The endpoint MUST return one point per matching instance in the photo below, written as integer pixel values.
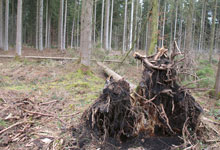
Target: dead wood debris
(158, 106)
(23, 117)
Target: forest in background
(116, 25)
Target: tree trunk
(134, 32)
(1, 23)
(49, 31)
(37, 25)
(6, 24)
(106, 28)
(94, 28)
(41, 25)
(154, 34)
(164, 20)
(102, 22)
(19, 28)
(188, 39)
(146, 42)
(110, 38)
(201, 34)
(60, 26)
(78, 26)
(217, 83)
(171, 34)
(72, 33)
(174, 36)
(131, 24)
(213, 31)
(86, 32)
(46, 30)
(125, 27)
(180, 27)
(64, 29)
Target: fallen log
(115, 76)
(54, 58)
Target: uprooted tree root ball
(158, 107)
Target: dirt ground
(41, 100)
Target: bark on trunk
(106, 28)
(217, 83)
(164, 20)
(72, 33)
(102, 22)
(202, 25)
(175, 26)
(19, 28)
(110, 37)
(37, 25)
(188, 39)
(1, 23)
(131, 24)
(86, 32)
(60, 26)
(49, 29)
(78, 27)
(46, 30)
(213, 31)
(154, 34)
(146, 42)
(125, 27)
(6, 24)
(94, 28)
(64, 29)
(41, 25)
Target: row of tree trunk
(4, 28)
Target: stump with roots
(157, 107)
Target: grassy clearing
(52, 80)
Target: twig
(49, 102)
(14, 125)
(39, 113)
(42, 114)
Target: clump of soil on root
(158, 111)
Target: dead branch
(14, 125)
(46, 103)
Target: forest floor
(40, 100)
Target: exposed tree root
(158, 106)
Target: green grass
(3, 123)
(206, 73)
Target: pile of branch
(157, 107)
